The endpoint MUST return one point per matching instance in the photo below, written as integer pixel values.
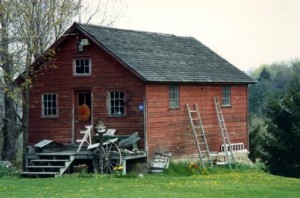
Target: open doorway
(83, 112)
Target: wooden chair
(87, 137)
(160, 162)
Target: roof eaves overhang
(202, 82)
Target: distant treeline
(272, 81)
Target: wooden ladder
(224, 133)
(199, 134)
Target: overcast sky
(247, 33)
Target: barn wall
(107, 75)
(170, 129)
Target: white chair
(87, 136)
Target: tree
(281, 142)
(264, 75)
(10, 130)
(257, 129)
(259, 92)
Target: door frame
(74, 108)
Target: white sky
(247, 33)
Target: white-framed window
(49, 105)
(116, 104)
(82, 67)
(226, 96)
(174, 97)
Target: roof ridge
(137, 31)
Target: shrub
(8, 171)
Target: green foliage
(272, 80)
(8, 171)
(282, 142)
(183, 169)
(257, 129)
(3, 171)
(179, 169)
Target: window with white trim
(49, 105)
(226, 96)
(174, 97)
(116, 104)
(82, 67)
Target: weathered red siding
(170, 129)
(107, 75)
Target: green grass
(215, 183)
(251, 184)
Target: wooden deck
(49, 163)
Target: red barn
(137, 81)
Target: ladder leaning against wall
(199, 134)
(229, 157)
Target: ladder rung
(193, 111)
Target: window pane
(116, 103)
(226, 96)
(87, 62)
(49, 108)
(78, 70)
(174, 96)
(82, 66)
(54, 104)
(86, 70)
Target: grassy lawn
(250, 183)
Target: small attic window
(82, 67)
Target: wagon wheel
(112, 157)
(108, 158)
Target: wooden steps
(47, 165)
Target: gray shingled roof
(165, 58)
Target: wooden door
(82, 111)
